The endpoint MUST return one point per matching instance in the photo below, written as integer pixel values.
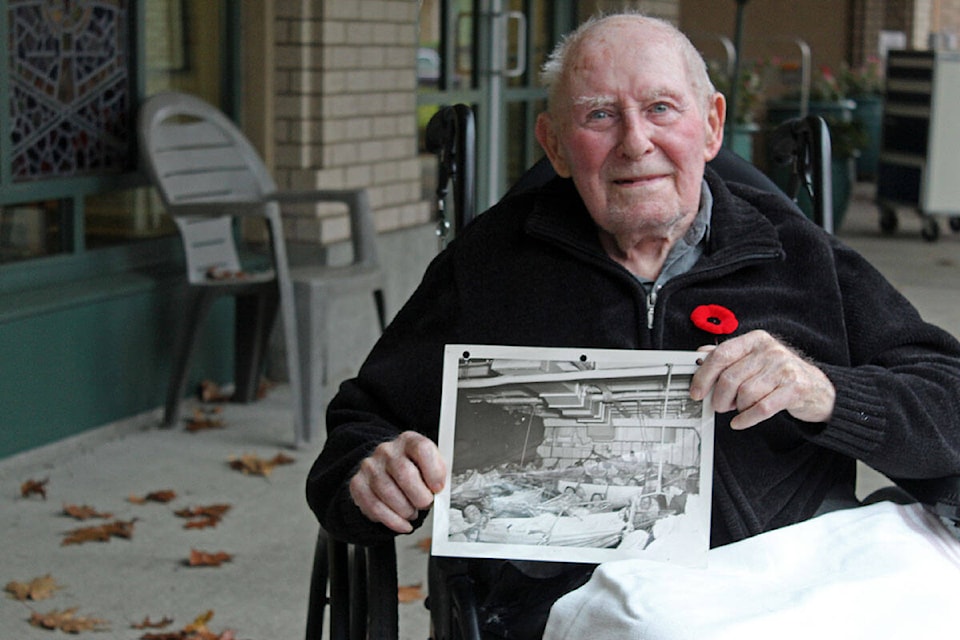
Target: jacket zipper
(697, 276)
(651, 307)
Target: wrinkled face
(628, 129)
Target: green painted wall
(84, 363)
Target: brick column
(346, 110)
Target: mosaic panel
(70, 87)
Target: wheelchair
(358, 584)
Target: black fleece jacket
(531, 271)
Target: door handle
(521, 50)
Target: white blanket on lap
(882, 571)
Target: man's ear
(547, 137)
(716, 117)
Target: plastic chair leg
(198, 305)
(255, 316)
(311, 308)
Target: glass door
(487, 53)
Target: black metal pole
(735, 80)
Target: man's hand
(399, 479)
(758, 376)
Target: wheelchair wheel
(931, 229)
(888, 220)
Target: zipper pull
(651, 305)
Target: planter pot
(843, 167)
(869, 113)
(741, 142)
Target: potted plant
(864, 85)
(748, 99)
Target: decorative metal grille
(70, 87)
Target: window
(72, 78)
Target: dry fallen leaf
(203, 516)
(67, 621)
(210, 391)
(205, 559)
(219, 273)
(204, 419)
(37, 589)
(162, 496)
(264, 388)
(196, 630)
(424, 544)
(31, 487)
(410, 593)
(84, 512)
(254, 465)
(101, 533)
(150, 624)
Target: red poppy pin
(715, 319)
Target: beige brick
(342, 9)
(290, 9)
(359, 176)
(334, 229)
(374, 57)
(322, 179)
(342, 154)
(342, 57)
(335, 32)
(387, 219)
(359, 33)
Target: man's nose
(635, 136)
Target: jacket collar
(738, 228)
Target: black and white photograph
(575, 455)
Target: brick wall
(345, 81)
(666, 9)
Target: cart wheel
(931, 230)
(955, 224)
(888, 220)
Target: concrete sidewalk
(262, 592)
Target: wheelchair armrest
(942, 495)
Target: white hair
(552, 71)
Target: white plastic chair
(208, 174)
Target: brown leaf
(101, 533)
(424, 544)
(205, 419)
(210, 391)
(150, 624)
(67, 621)
(200, 622)
(251, 464)
(410, 593)
(162, 496)
(219, 273)
(31, 487)
(84, 512)
(205, 559)
(37, 589)
(203, 516)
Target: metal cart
(919, 163)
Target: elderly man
(828, 363)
